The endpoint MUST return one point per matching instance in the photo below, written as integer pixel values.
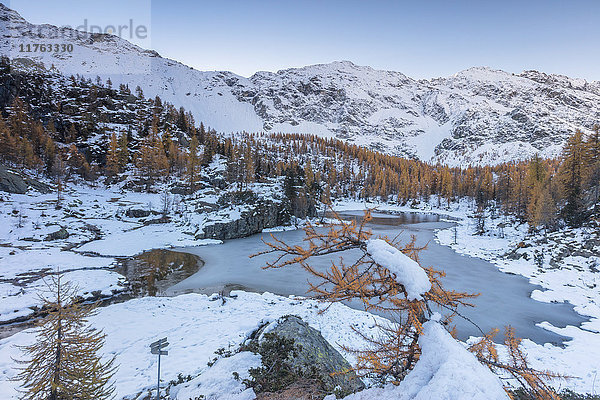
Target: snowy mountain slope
(475, 115)
(479, 115)
(205, 94)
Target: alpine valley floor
(99, 231)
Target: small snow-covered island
(325, 232)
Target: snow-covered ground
(196, 327)
(16, 301)
(99, 230)
(444, 371)
(26, 254)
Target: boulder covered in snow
(60, 234)
(263, 214)
(137, 213)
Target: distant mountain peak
(483, 73)
(7, 14)
(345, 64)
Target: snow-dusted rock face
(480, 115)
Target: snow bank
(197, 325)
(445, 371)
(573, 280)
(18, 301)
(218, 381)
(408, 272)
(135, 241)
(24, 261)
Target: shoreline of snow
(580, 356)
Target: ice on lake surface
(504, 298)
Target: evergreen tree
(592, 163)
(536, 174)
(161, 161)
(570, 179)
(123, 151)
(28, 157)
(152, 159)
(234, 166)
(446, 185)
(193, 163)
(182, 120)
(290, 191)
(112, 156)
(176, 163)
(71, 134)
(248, 167)
(517, 203)
(18, 120)
(64, 363)
(8, 142)
(545, 210)
(209, 151)
(49, 154)
(76, 163)
(139, 93)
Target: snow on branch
(407, 271)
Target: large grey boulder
(13, 182)
(265, 214)
(317, 353)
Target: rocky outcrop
(13, 182)
(137, 213)
(60, 234)
(316, 354)
(265, 214)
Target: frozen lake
(504, 298)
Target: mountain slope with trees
(79, 128)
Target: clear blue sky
(422, 39)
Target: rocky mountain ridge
(478, 116)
